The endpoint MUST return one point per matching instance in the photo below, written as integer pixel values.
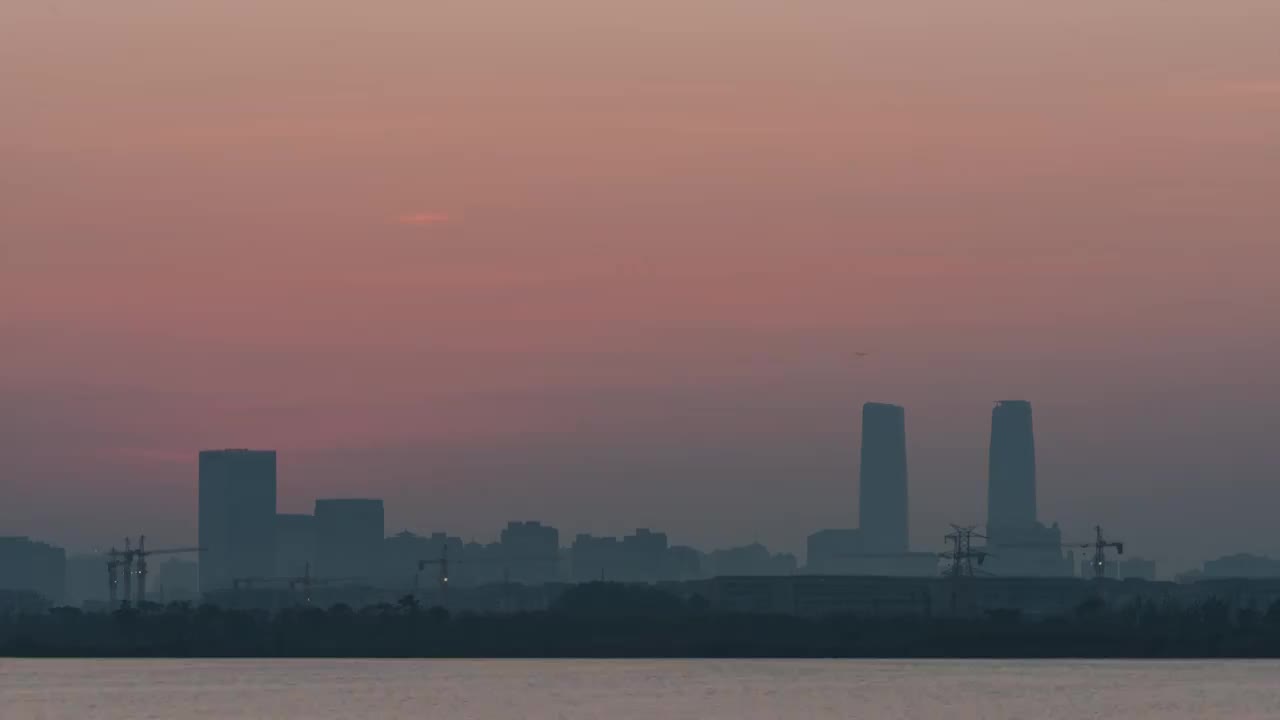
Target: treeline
(609, 620)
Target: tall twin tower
(1011, 479)
(882, 493)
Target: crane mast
(115, 560)
(128, 571)
(1100, 545)
(306, 580)
(442, 579)
(124, 560)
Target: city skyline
(616, 269)
(721, 359)
(344, 547)
(239, 515)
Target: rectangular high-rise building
(882, 492)
(237, 516)
(349, 538)
(1011, 479)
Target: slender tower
(1011, 479)
(882, 492)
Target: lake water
(634, 690)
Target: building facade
(882, 490)
(832, 551)
(1011, 478)
(237, 516)
(1020, 545)
(645, 556)
(749, 560)
(41, 568)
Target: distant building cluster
(644, 556)
(246, 545)
(345, 541)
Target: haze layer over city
(611, 269)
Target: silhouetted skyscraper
(882, 489)
(237, 516)
(1020, 545)
(1011, 481)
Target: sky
(614, 264)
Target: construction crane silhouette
(960, 556)
(442, 578)
(306, 580)
(1099, 544)
(133, 561)
(115, 561)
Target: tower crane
(142, 553)
(442, 578)
(134, 560)
(306, 580)
(249, 582)
(1099, 545)
(126, 562)
(115, 561)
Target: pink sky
(608, 264)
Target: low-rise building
(34, 566)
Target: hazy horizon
(612, 265)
